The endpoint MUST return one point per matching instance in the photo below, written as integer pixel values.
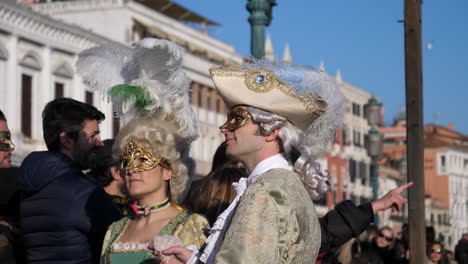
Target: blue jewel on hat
(260, 79)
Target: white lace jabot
(213, 242)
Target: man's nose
(99, 142)
(225, 130)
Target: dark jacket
(461, 251)
(63, 215)
(343, 223)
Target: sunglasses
(389, 239)
(438, 251)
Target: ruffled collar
(274, 162)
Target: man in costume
(64, 216)
(280, 121)
(6, 145)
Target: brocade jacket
(275, 222)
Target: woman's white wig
(304, 148)
(167, 139)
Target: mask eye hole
(123, 164)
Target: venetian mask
(5, 141)
(137, 158)
(236, 118)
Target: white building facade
(47, 53)
(37, 55)
(454, 163)
(357, 186)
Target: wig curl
(165, 138)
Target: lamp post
(261, 14)
(374, 146)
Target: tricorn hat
(293, 92)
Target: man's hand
(392, 199)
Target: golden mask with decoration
(5, 141)
(137, 158)
(237, 117)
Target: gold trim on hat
(264, 81)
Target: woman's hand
(181, 254)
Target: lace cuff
(195, 254)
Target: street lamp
(374, 144)
(261, 14)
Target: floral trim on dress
(121, 247)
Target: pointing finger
(404, 187)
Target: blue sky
(364, 40)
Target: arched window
(31, 66)
(62, 75)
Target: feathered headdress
(149, 91)
(144, 80)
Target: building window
(26, 103)
(208, 101)
(344, 134)
(439, 219)
(363, 172)
(356, 109)
(200, 96)
(59, 90)
(443, 163)
(89, 98)
(352, 170)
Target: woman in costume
(150, 90)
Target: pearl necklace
(148, 209)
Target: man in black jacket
(63, 215)
(461, 250)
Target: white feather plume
(152, 64)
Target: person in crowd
(436, 254)
(347, 221)
(280, 120)
(153, 146)
(450, 257)
(7, 255)
(267, 123)
(344, 222)
(106, 173)
(155, 168)
(213, 194)
(63, 215)
(221, 159)
(461, 250)
(379, 250)
(6, 145)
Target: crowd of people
(137, 203)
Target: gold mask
(5, 141)
(236, 118)
(135, 157)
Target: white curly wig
(166, 139)
(303, 148)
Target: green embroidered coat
(275, 222)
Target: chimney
(450, 125)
